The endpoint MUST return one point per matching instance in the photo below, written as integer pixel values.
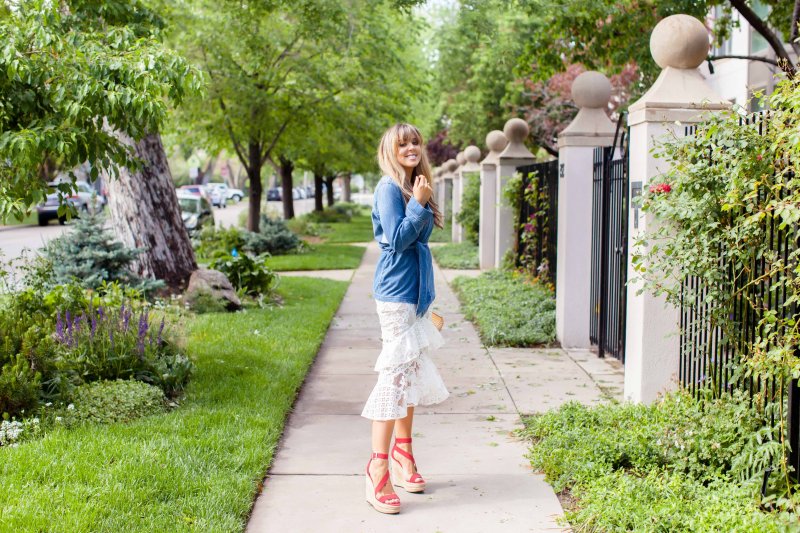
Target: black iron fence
(538, 219)
(709, 351)
(609, 272)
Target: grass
(30, 220)
(508, 309)
(321, 257)
(463, 255)
(359, 229)
(443, 234)
(197, 468)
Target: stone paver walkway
(478, 477)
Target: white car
(84, 198)
(227, 192)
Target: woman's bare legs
(402, 429)
(381, 438)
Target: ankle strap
(376, 455)
(402, 440)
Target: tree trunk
(329, 184)
(346, 187)
(145, 214)
(318, 191)
(208, 173)
(287, 167)
(254, 173)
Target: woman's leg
(381, 438)
(402, 430)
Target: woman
(403, 217)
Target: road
(14, 239)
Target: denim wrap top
(405, 268)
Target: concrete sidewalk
(478, 477)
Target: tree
(548, 107)
(605, 35)
(71, 74)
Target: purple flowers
(104, 332)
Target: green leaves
(67, 79)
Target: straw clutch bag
(437, 320)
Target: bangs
(407, 133)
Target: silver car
(83, 198)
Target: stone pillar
(468, 171)
(496, 143)
(458, 190)
(680, 96)
(446, 202)
(514, 155)
(576, 143)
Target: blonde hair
(390, 166)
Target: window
(718, 17)
(757, 42)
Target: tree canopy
(71, 73)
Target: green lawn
(359, 229)
(442, 235)
(197, 468)
(321, 257)
(463, 255)
(30, 220)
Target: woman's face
(408, 152)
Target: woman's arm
(401, 227)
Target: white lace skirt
(406, 375)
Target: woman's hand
(422, 190)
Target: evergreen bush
(90, 254)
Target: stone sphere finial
(496, 141)
(679, 41)
(460, 158)
(472, 154)
(591, 89)
(450, 165)
(516, 130)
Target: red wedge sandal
(412, 482)
(381, 503)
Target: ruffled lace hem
(409, 342)
(417, 382)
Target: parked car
(274, 195)
(216, 196)
(196, 211)
(84, 198)
(296, 193)
(228, 193)
(309, 191)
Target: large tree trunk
(329, 184)
(145, 214)
(318, 191)
(346, 187)
(287, 167)
(254, 173)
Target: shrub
(20, 386)
(247, 273)
(329, 214)
(212, 242)
(273, 237)
(509, 309)
(90, 254)
(114, 343)
(107, 402)
(680, 464)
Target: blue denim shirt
(405, 268)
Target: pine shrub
(90, 254)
